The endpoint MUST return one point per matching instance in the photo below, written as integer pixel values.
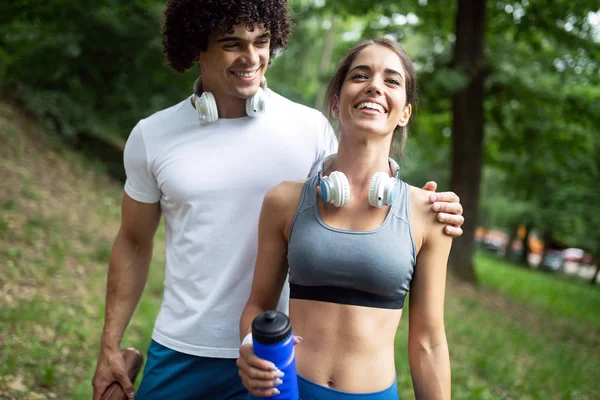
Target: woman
(353, 258)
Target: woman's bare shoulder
(422, 217)
(283, 193)
(424, 220)
(420, 204)
(283, 197)
(280, 203)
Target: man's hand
(449, 209)
(110, 368)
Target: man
(208, 178)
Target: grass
(58, 217)
(572, 297)
(520, 335)
(508, 344)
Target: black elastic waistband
(334, 294)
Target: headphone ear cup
(345, 192)
(325, 189)
(256, 104)
(206, 107)
(374, 189)
(390, 191)
(375, 195)
(338, 189)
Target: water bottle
(273, 340)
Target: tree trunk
(326, 55)
(550, 244)
(547, 238)
(525, 255)
(593, 280)
(513, 236)
(467, 129)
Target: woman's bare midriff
(347, 348)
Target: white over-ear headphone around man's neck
(206, 106)
(335, 188)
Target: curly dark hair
(188, 24)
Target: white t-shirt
(210, 179)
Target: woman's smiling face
(373, 96)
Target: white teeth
(372, 106)
(245, 74)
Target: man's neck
(230, 106)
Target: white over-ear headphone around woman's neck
(206, 106)
(335, 188)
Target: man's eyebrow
(369, 69)
(226, 39)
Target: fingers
(100, 385)
(297, 340)
(453, 231)
(248, 356)
(259, 377)
(259, 382)
(263, 392)
(98, 390)
(451, 219)
(102, 379)
(450, 209)
(431, 185)
(111, 368)
(260, 387)
(444, 197)
(126, 384)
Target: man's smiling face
(234, 63)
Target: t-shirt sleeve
(328, 144)
(140, 184)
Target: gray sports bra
(364, 268)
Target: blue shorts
(312, 391)
(170, 374)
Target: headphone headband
(327, 161)
(198, 85)
(206, 105)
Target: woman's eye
(262, 43)
(393, 82)
(359, 76)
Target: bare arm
(271, 266)
(128, 267)
(258, 376)
(127, 274)
(427, 346)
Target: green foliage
(92, 67)
(541, 103)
